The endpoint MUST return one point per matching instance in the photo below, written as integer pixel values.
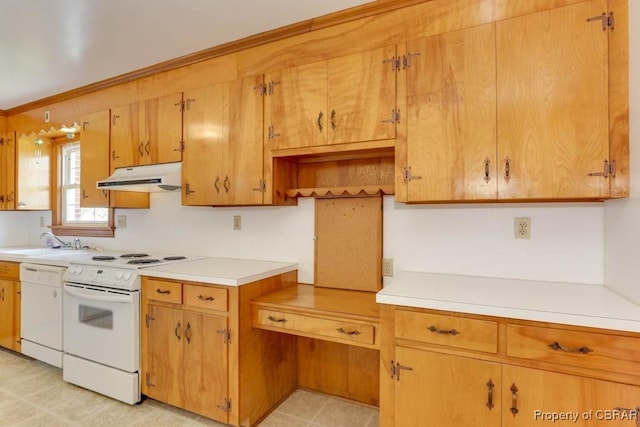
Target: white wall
(14, 228)
(622, 217)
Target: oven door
(102, 325)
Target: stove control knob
(119, 275)
(127, 275)
(76, 269)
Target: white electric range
(102, 321)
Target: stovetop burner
(143, 261)
(174, 258)
(134, 255)
(102, 258)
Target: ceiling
(51, 46)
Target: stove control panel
(111, 277)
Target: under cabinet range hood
(144, 178)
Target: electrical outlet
(237, 222)
(122, 221)
(387, 267)
(41, 221)
(522, 228)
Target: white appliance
(102, 323)
(41, 312)
(144, 178)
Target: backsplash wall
(566, 245)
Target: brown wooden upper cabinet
(513, 110)
(147, 132)
(223, 145)
(346, 99)
(94, 161)
(7, 170)
(33, 166)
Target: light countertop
(220, 271)
(567, 303)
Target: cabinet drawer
(10, 270)
(205, 297)
(163, 290)
(471, 334)
(585, 349)
(314, 326)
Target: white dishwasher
(41, 312)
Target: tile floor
(33, 394)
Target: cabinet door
(33, 178)
(553, 102)
(296, 107)
(7, 314)
(205, 365)
(243, 152)
(163, 128)
(451, 116)
(7, 170)
(94, 158)
(594, 402)
(16, 344)
(126, 144)
(362, 96)
(165, 352)
(205, 136)
(441, 390)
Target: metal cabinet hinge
(180, 105)
(1, 140)
(226, 406)
(187, 104)
(395, 117)
(608, 21)
(226, 333)
(396, 368)
(262, 186)
(147, 319)
(147, 380)
(608, 169)
(271, 133)
(408, 176)
(261, 88)
(406, 60)
(394, 61)
(272, 87)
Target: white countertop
(567, 303)
(219, 271)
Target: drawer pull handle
(273, 319)
(163, 291)
(442, 331)
(343, 331)
(203, 298)
(490, 386)
(556, 346)
(514, 399)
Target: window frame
(57, 227)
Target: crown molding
(336, 18)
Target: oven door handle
(99, 296)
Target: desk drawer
(314, 326)
(162, 290)
(460, 332)
(205, 297)
(584, 349)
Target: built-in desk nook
(336, 321)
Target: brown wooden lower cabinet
(200, 353)
(10, 305)
(538, 374)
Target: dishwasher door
(41, 312)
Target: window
(69, 218)
(72, 213)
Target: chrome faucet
(62, 242)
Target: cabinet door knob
(557, 346)
(514, 399)
(435, 330)
(177, 331)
